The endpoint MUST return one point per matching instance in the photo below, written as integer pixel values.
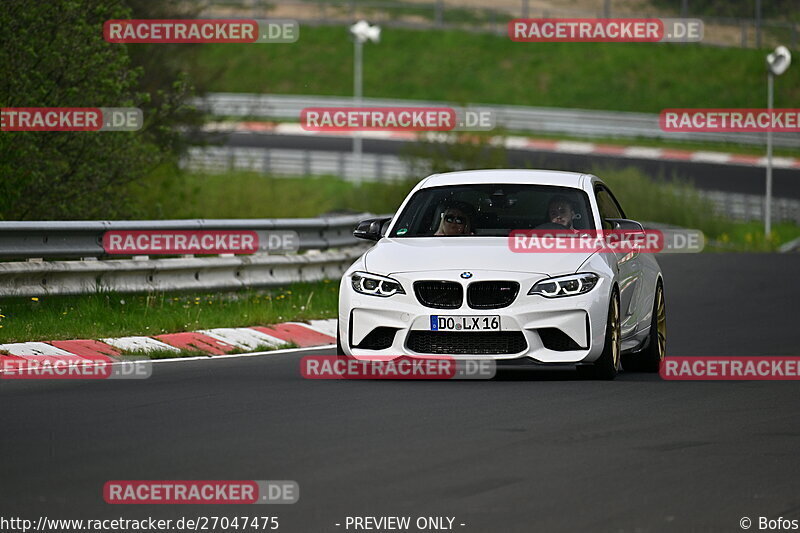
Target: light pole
(777, 63)
(361, 32)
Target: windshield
(492, 210)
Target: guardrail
(39, 278)
(69, 239)
(327, 245)
(288, 162)
(573, 122)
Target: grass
(678, 203)
(94, 316)
(749, 237)
(171, 194)
(175, 194)
(667, 202)
(164, 354)
(462, 67)
(253, 195)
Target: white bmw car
(442, 278)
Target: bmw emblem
(466, 275)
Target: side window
(608, 206)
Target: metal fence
(749, 207)
(573, 122)
(69, 239)
(753, 31)
(38, 278)
(297, 163)
(327, 244)
(383, 167)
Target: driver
(560, 211)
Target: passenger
(454, 220)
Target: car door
(628, 262)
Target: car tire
(649, 359)
(339, 349)
(608, 364)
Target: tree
(53, 55)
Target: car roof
(516, 176)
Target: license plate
(465, 323)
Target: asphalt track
(710, 176)
(529, 451)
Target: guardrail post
(525, 9)
(439, 13)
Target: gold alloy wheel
(661, 323)
(614, 325)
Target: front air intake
(463, 343)
(491, 294)
(439, 294)
(378, 339)
(558, 341)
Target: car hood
(418, 254)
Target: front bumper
(526, 325)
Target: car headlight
(571, 285)
(375, 285)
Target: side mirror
(625, 224)
(371, 229)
